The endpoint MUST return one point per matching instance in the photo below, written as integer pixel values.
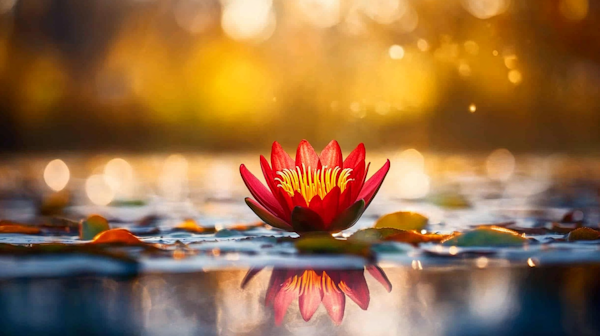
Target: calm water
(549, 287)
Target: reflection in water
(314, 286)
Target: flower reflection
(314, 286)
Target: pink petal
(299, 200)
(331, 156)
(310, 294)
(353, 284)
(280, 160)
(260, 192)
(306, 155)
(355, 156)
(277, 192)
(334, 299)
(316, 205)
(278, 277)
(345, 199)
(267, 216)
(348, 217)
(305, 220)
(284, 298)
(358, 174)
(330, 205)
(380, 276)
(372, 185)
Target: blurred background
(150, 75)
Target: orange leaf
(10, 227)
(116, 236)
(190, 225)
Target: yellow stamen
(311, 182)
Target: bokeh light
(396, 52)
(500, 164)
(249, 20)
(118, 173)
(574, 10)
(57, 175)
(98, 190)
(485, 9)
(173, 179)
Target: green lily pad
(92, 226)
(374, 235)
(451, 201)
(128, 203)
(402, 220)
(583, 233)
(326, 244)
(486, 237)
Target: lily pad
(117, 236)
(584, 233)
(92, 226)
(128, 203)
(402, 220)
(11, 227)
(326, 244)
(190, 225)
(486, 237)
(372, 236)
(451, 201)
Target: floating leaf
(226, 233)
(89, 228)
(246, 227)
(11, 227)
(325, 244)
(190, 225)
(451, 201)
(584, 233)
(128, 203)
(486, 237)
(374, 235)
(117, 236)
(402, 220)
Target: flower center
(310, 182)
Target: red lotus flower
(312, 286)
(314, 192)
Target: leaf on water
(92, 226)
(584, 233)
(486, 237)
(12, 227)
(128, 203)
(323, 243)
(190, 225)
(226, 233)
(402, 220)
(375, 235)
(451, 201)
(117, 236)
(248, 226)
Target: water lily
(313, 192)
(313, 287)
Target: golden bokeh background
(456, 75)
